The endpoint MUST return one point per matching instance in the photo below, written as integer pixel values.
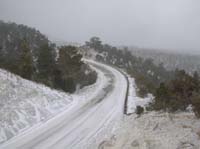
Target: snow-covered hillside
(24, 103)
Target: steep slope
(25, 103)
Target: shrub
(70, 86)
(139, 110)
(196, 104)
(178, 94)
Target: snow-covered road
(75, 128)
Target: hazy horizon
(155, 24)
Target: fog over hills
(159, 24)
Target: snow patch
(133, 99)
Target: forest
(29, 54)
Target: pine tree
(196, 103)
(64, 62)
(26, 68)
(69, 63)
(46, 64)
(1, 57)
(196, 80)
(95, 43)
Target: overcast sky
(168, 24)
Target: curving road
(73, 129)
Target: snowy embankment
(25, 104)
(133, 99)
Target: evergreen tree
(25, 61)
(1, 56)
(64, 61)
(196, 80)
(95, 43)
(69, 63)
(196, 103)
(69, 60)
(46, 64)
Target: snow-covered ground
(81, 120)
(133, 99)
(157, 130)
(24, 103)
